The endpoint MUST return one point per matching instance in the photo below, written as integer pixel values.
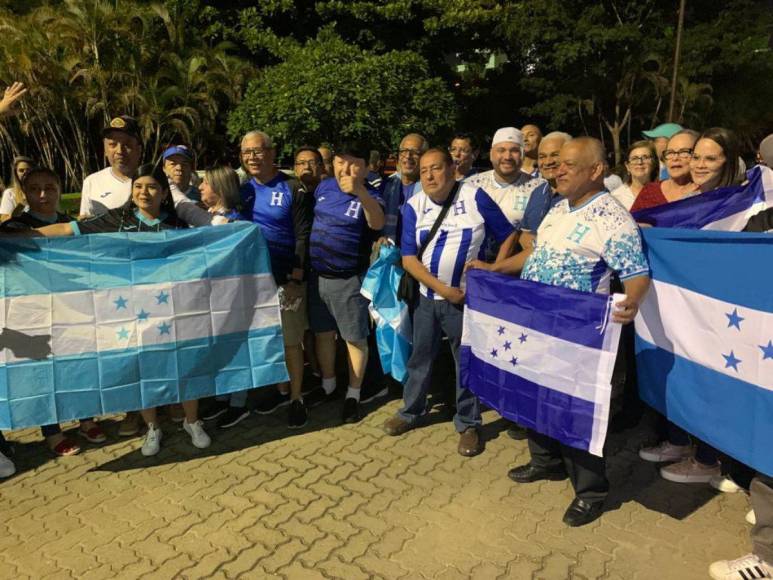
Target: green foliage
(328, 90)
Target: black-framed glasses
(640, 159)
(678, 153)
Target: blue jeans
(431, 319)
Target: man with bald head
(402, 185)
(532, 137)
(585, 238)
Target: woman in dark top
(150, 208)
(42, 189)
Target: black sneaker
(352, 411)
(371, 392)
(316, 397)
(232, 416)
(297, 415)
(271, 400)
(214, 410)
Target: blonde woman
(220, 193)
(13, 201)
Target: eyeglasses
(680, 153)
(310, 163)
(255, 152)
(640, 159)
(409, 152)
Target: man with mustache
(179, 166)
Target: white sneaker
(665, 451)
(7, 468)
(725, 484)
(748, 567)
(751, 518)
(199, 437)
(152, 443)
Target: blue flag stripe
(717, 261)
(728, 413)
(531, 405)
(701, 210)
(559, 312)
(45, 392)
(33, 266)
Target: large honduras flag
(726, 209)
(392, 318)
(541, 356)
(116, 322)
(704, 338)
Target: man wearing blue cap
(179, 165)
(659, 137)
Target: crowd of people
(549, 210)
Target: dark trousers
(49, 430)
(431, 319)
(704, 453)
(762, 502)
(587, 472)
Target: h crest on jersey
(353, 211)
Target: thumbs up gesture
(352, 179)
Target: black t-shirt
(762, 222)
(27, 221)
(123, 219)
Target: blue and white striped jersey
(472, 217)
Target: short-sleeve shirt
(340, 237)
(29, 220)
(581, 247)
(512, 198)
(8, 203)
(541, 200)
(472, 217)
(103, 191)
(283, 211)
(124, 219)
(624, 195)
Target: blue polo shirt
(542, 199)
(340, 236)
(283, 213)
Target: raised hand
(11, 98)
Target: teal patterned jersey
(580, 247)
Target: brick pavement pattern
(346, 502)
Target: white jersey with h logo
(580, 247)
(511, 198)
(472, 217)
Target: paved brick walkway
(346, 502)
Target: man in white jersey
(110, 188)
(470, 217)
(506, 183)
(581, 241)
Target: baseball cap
(666, 130)
(124, 124)
(766, 150)
(508, 135)
(178, 150)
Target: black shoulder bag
(408, 290)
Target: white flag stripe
(737, 221)
(574, 369)
(133, 317)
(698, 328)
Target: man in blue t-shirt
(472, 216)
(347, 214)
(278, 204)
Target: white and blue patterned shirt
(472, 216)
(580, 247)
(512, 198)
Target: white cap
(508, 135)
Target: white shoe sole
(685, 478)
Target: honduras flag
(541, 356)
(704, 338)
(116, 322)
(393, 320)
(726, 209)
